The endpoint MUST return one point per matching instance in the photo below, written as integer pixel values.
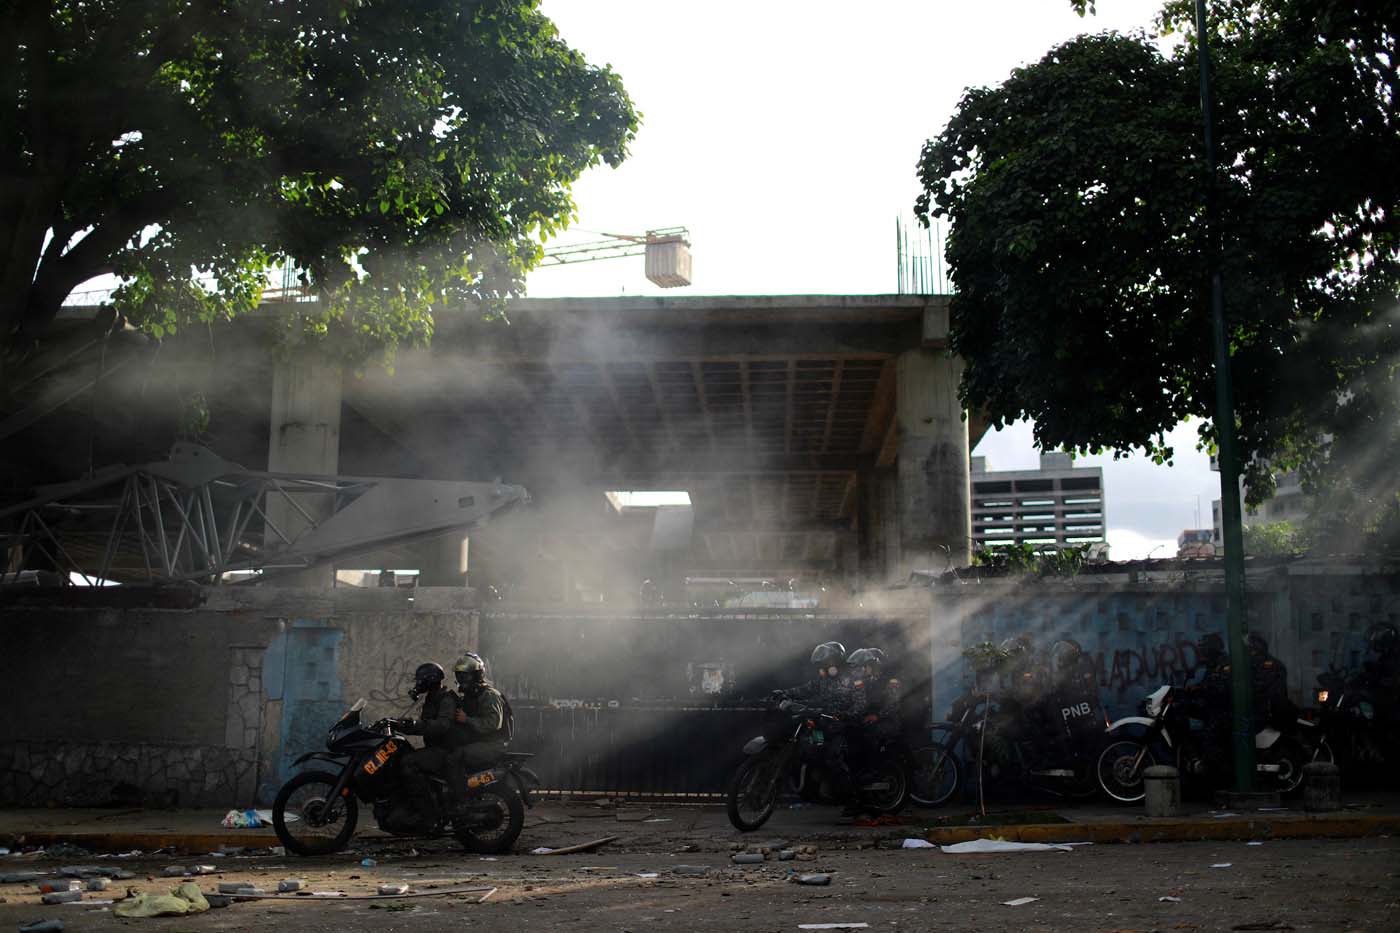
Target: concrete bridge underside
(817, 436)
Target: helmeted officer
(882, 694)
(1270, 682)
(1209, 697)
(485, 716)
(833, 691)
(441, 735)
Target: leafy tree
(398, 153)
(1076, 195)
(1274, 539)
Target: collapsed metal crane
(197, 517)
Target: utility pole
(1241, 695)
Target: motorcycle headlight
(1322, 696)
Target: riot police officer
(882, 694)
(1209, 697)
(833, 690)
(441, 735)
(484, 715)
(1270, 682)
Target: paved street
(1279, 884)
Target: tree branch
(59, 274)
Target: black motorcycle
(1168, 733)
(1019, 750)
(791, 760)
(315, 812)
(1352, 727)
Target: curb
(1173, 830)
(146, 842)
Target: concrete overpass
(817, 436)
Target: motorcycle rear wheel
(493, 840)
(894, 796)
(1120, 767)
(936, 778)
(753, 792)
(324, 823)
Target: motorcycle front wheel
(753, 792)
(936, 776)
(309, 818)
(1120, 769)
(508, 820)
(1290, 756)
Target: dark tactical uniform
(485, 720)
(441, 736)
(1209, 699)
(883, 702)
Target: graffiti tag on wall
(1170, 662)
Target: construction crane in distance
(667, 253)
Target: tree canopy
(1076, 194)
(397, 154)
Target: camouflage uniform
(839, 697)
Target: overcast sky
(784, 135)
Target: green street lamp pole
(1241, 695)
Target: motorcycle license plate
(818, 736)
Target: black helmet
(829, 653)
(1016, 650)
(1255, 644)
(470, 671)
(862, 657)
(428, 677)
(1210, 647)
(1383, 640)
(1065, 654)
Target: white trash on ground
(1020, 901)
(977, 846)
(917, 844)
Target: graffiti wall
(1139, 635)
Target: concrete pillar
(442, 561)
(305, 438)
(935, 524)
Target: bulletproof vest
(432, 708)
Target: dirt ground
(1276, 885)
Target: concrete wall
(203, 704)
(1141, 633)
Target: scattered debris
(748, 858)
(690, 869)
(19, 877)
(56, 886)
(98, 884)
(300, 897)
(368, 862)
(174, 871)
(1222, 865)
(204, 870)
(816, 879)
(398, 888)
(786, 855)
(62, 897)
(648, 874)
(185, 899)
(658, 820)
(1254, 843)
(917, 844)
(1265, 925)
(581, 847)
(233, 887)
(287, 885)
(1020, 901)
(43, 926)
(1221, 816)
(1002, 845)
(1169, 899)
(833, 926)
